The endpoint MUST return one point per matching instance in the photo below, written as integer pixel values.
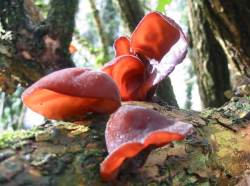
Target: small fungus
(134, 129)
(72, 49)
(122, 46)
(159, 44)
(72, 92)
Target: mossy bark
(217, 153)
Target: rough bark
(208, 57)
(229, 21)
(132, 13)
(34, 47)
(224, 29)
(69, 154)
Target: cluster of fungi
(155, 47)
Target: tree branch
(61, 20)
(30, 48)
(132, 12)
(70, 154)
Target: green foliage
(42, 6)
(161, 5)
(90, 40)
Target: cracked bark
(38, 46)
(69, 154)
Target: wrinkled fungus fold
(132, 129)
(159, 43)
(129, 73)
(72, 92)
(142, 61)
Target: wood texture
(208, 57)
(70, 154)
(36, 46)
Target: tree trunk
(31, 47)
(229, 21)
(132, 13)
(219, 32)
(208, 57)
(217, 153)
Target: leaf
(161, 5)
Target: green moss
(14, 138)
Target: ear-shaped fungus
(134, 129)
(129, 74)
(72, 92)
(157, 42)
(154, 36)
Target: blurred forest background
(82, 32)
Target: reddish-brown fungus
(157, 42)
(154, 36)
(133, 129)
(72, 92)
(129, 74)
(122, 46)
(72, 49)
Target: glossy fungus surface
(122, 46)
(154, 36)
(72, 92)
(129, 73)
(157, 42)
(131, 129)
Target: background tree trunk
(100, 28)
(70, 154)
(219, 32)
(31, 47)
(229, 21)
(132, 13)
(208, 57)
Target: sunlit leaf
(161, 5)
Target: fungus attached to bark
(72, 92)
(157, 42)
(135, 129)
